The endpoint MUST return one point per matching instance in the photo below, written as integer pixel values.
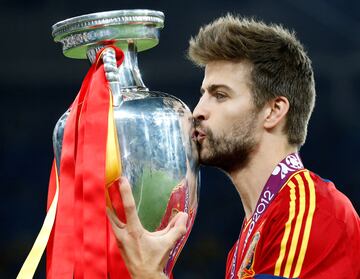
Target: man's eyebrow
(214, 87)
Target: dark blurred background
(38, 83)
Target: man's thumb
(178, 229)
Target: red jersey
(309, 230)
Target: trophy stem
(130, 76)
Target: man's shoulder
(331, 202)
(309, 223)
(306, 191)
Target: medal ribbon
(282, 172)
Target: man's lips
(199, 135)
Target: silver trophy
(154, 129)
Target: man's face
(225, 117)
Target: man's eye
(219, 96)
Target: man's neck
(250, 180)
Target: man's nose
(201, 111)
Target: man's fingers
(114, 219)
(132, 218)
(175, 218)
(116, 225)
(177, 227)
(169, 225)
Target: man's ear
(276, 111)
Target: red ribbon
(82, 244)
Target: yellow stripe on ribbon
(32, 261)
(309, 218)
(113, 161)
(296, 234)
(287, 229)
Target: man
(256, 99)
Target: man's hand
(145, 253)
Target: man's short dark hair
(280, 65)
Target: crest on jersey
(247, 266)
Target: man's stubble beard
(232, 150)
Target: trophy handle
(111, 69)
(112, 75)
